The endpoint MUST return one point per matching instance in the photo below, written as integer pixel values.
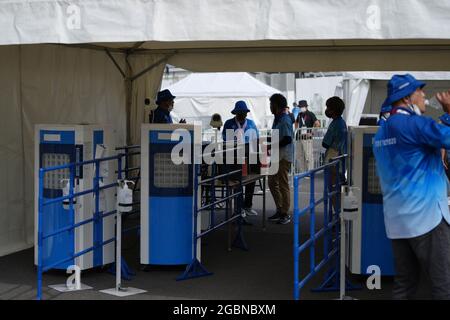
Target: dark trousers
(249, 191)
(430, 253)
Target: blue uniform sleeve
(329, 135)
(226, 126)
(252, 131)
(428, 132)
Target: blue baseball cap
(401, 86)
(240, 107)
(164, 95)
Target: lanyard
(401, 110)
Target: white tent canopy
(199, 95)
(96, 61)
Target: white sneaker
(250, 212)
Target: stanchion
(349, 212)
(119, 291)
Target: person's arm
(284, 141)
(225, 127)
(284, 135)
(316, 124)
(427, 132)
(329, 136)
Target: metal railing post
(40, 234)
(296, 241)
(312, 224)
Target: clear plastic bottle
(434, 103)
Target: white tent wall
(316, 91)
(355, 95)
(13, 218)
(146, 86)
(46, 84)
(202, 109)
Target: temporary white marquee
(199, 95)
(96, 61)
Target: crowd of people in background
(285, 121)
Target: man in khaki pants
(279, 182)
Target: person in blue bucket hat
(407, 149)
(240, 127)
(165, 102)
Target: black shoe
(245, 222)
(275, 217)
(284, 219)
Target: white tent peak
(221, 84)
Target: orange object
(244, 169)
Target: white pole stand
(346, 215)
(119, 291)
(73, 283)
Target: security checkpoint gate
(366, 235)
(167, 195)
(60, 145)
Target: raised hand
(444, 99)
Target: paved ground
(263, 272)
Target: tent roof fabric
(222, 84)
(87, 21)
(251, 35)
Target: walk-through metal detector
(367, 242)
(57, 145)
(167, 195)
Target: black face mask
(329, 113)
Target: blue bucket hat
(401, 86)
(164, 95)
(240, 107)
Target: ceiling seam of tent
(294, 49)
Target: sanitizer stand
(119, 291)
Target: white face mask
(416, 109)
(303, 110)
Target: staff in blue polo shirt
(165, 102)
(408, 159)
(232, 129)
(279, 182)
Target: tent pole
(115, 63)
(157, 63)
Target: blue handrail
(331, 220)
(41, 267)
(195, 268)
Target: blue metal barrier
(331, 221)
(41, 267)
(195, 269)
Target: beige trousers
(279, 187)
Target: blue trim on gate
(66, 137)
(330, 230)
(98, 222)
(170, 229)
